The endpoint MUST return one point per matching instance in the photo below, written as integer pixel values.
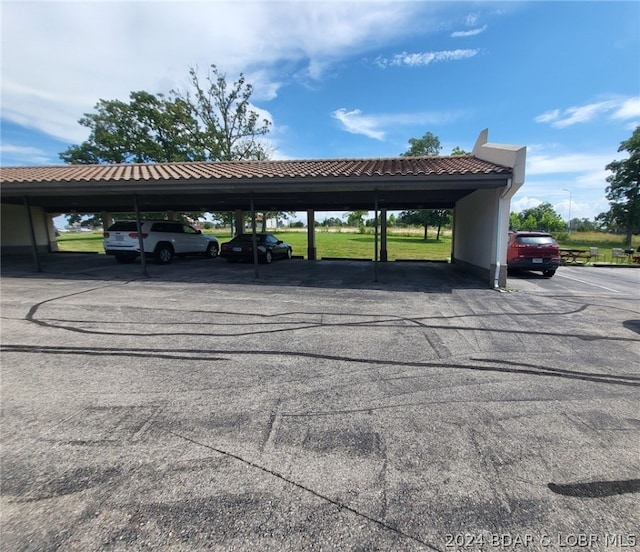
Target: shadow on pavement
(391, 276)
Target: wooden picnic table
(573, 256)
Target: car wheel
(289, 253)
(268, 257)
(548, 273)
(163, 253)
(212, 250)
(125, 259)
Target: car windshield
(536, 240)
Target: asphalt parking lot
(314, 408)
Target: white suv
(162, 240)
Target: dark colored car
(537, 251)
(269, 247)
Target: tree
(147, 129)
(623, 191)
(429, 144)
(331, 221)
(215, 123)
(582, 225)
(458, 151)
(426, 218)
(542, 217)
(514, 221)
(354, 218)
(229, 129)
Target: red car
(533, 251)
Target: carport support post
(32, 235)
(143, 260)
(238, 222)
(107, 219)
(311, 235)
(375, 239)
(383, 235)
(254, 239)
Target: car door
(276, 246)
(192, 240)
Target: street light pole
(569, 221)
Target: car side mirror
(279, 242)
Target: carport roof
(322, 184)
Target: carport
(477, 187)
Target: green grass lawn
(80, 242)
(401, 245)
(328, 244)
(596, 239)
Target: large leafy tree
(428, 145)
(542, 217)
(148, 128)
(458, 152)
(426, 218)
(623, 191)
(229, 129)
(355, 218)
(214, 121)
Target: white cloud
(470, 32)
(376, 125)
(356, 123)
(548, 116)
(583, 204)
(621, 108)
(525, 202)
(60, 57)
(420, 59)
(628, 109)
(20, 155)
(550, 174)
(567, 163)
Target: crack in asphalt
(304, 488)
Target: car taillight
(135, 235)
(105, 234)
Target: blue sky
(347, 79)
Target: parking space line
(588, 283)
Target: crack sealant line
(325, 498)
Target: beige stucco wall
(481, 224)
(480, 234)
(15, 236)
(475, 228)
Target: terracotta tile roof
(243, 170)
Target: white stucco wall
(15, 236)
(482, 218)
(475, 227)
